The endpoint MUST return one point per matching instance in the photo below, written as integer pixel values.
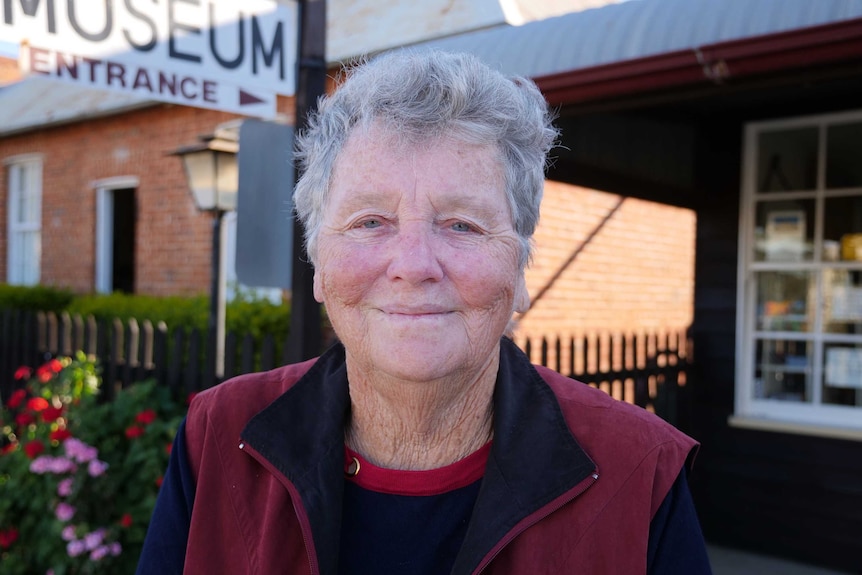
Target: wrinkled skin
(417, 259)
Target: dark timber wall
(794, 496)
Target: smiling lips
(417, 312)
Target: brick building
(633, 267)
(723, 133)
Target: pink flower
(75, 548)
(79, 451)
(49, 464)
(96, 467)
(115, 548)
(64, 488)
(68, 533)
(94, 539)
(64, 511)
(99, 553)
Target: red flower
(126, 520)
(159, 480)
(168, 448)
(134, 431)
(55, 365)
(146, 417)
(60, 435)
(44, 374)
(190, 397)
(8, 537)
(34, 448)
(8, 448)
(23, 372)
(50, 414)
(17, 397)
(37, 404)
(24, 419)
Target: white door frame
(105, 189)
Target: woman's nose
(414, 257)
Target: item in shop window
(851, 247)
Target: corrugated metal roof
(39, 101)
(639, 28)
(612, 33)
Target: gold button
(353, 468)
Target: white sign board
(844, 367)
(230, 55)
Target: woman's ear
(318, 286)
(522, 296)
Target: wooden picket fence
(648, 370)
(129, 351)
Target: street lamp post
(212, 174)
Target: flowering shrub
(78, 476)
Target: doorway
(115, 237)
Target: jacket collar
(534, 457)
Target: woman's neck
(419, 425)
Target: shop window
(24, 228)
(799, 357)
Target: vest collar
(534, 457)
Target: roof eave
(709, 64)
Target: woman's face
(417, 259)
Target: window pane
(784, 231)
(842, 301)
(785, 301)
(842, 375)
(782, 370)
(787, 160)
(844, 156)
(24, 239)
(842, 229)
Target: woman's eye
(370, 224)
(462, 227)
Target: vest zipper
(301, 516)
(534, 518)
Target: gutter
(713, 64)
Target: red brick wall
(173, 239)
(9, 70)
(635, 273)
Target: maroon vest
(249, 517)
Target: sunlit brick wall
(636, 273)
(173, 240)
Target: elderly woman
(424, 442)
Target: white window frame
(19, 272)
(814, 417)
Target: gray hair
(423, 95)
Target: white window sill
(762, 424)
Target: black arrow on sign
(245, 98)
